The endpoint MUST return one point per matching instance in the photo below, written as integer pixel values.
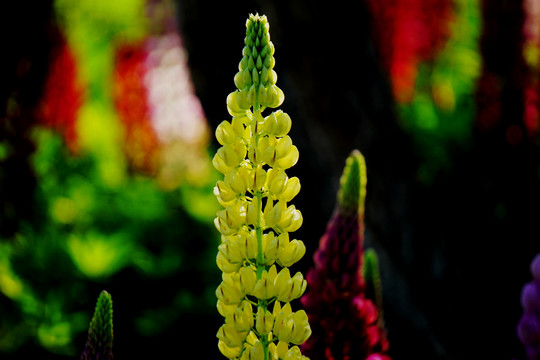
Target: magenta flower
(528, 328)
(345, 324)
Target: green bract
(256, 219)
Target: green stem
(259, 232)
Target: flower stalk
(346, 324)
(255, 251)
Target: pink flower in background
(345, 324)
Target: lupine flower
(100, 334)
(256, 251)
(344, 321)
(528, 328)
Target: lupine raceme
(100, 333)
(528, 328)
(346, 323)
(256, 251)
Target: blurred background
(107, 114)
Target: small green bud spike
(100, 333)
(373, 280)
(352, 192)
(256, 68)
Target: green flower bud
(251, 63)
(239, 80)
(263, 94)
(255, 77)
(237, 104)
(275, 96)
(353, 181)
(264, 75)
(269, 62)
(265, 48)
(246, 79)
(244, 62)
(272, 79)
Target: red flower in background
(531, 54)
(409, 32)
(62, 95)
(131, 100)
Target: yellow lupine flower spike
(255, 251)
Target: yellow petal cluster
(257, 218)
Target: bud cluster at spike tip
(100, 333)
(256, 78)
(345, 323)
(256, 251)
(528, 328)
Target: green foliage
(88, 234)
(440, 116)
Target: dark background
(454, 252)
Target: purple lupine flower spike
(528, 328)
(344, 322)
(100, 333)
